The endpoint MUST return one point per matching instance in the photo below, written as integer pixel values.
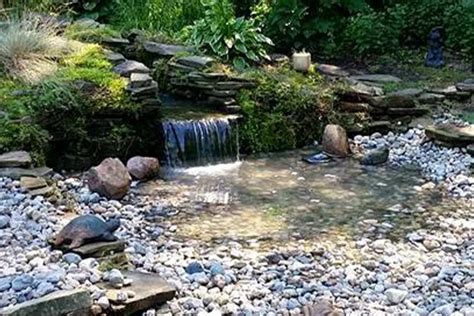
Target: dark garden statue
(435, 58)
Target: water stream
(199, 142)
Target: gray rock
(115, 278)
(196, 61)
(140, 80)
(5, 283)
(15, 159)
(128, 67)
(4, 221)
(72, 258)
(377, 78)
(43, 289)
(396, 296)
(375, 156)
(22, 282)
(164, 49)
(103, 302)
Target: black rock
(375, 157)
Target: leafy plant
(227, 37)
(285, 111)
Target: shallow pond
(278, 198)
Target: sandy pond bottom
(277, 198)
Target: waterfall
(200, 142)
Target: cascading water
(200, 142)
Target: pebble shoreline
(428, 273)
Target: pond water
(278, 197)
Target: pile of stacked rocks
(187, 77)
(141, 86)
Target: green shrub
(231, 39)
(84, 33)
(286, 110)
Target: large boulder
(143, 168)
(335, 141)
(110, 179)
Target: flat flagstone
(100, 249)
(451, 135)
(31, 183)
(150, 291)
(164, 49)
(128, 67)
(377, 78)
(140, 80)
(332, 70)
(15, 159)
(77, 302)
(196, 61)
(17, 173)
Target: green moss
(78, 32)
(286, 110)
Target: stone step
(15, 159)
(150, 291)
(451, 136)
(139, 80)
(100, 249)
(128, 67)
(196, 61)
(164, 50)
(398, 112)
(75, 302)
(352, 107)
(17, 173)
(31, 183)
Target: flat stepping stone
(15, 159)
(150, 291)
(100, 249)
(30, 183)
(115, 41)
(196, 61)
(57, 303)
(331, 70)
(430, 98)
(360, 92)
(114, 58)
(46, 191)
(398, 112)
(377, 78)
(17, 173)
(451, 135)
(164, 49)
(466, 86)
(144, 92)
(128, 67)
(352, 107)
(140, 80)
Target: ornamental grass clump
(30, 48)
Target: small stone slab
(150, 91)
(115, 41)
(140, 80)
(397, 112)
(430, 98)
(164, 49)
(353, 107)
(331, 70)
(377, 78)
(360, 92)
(466, 86)
(100, 249)
(454, 136)
(46, 191)
(196, 61)
(31, 183)
(151, 291)
(114, 58)
(128, 67)
(17, 173)
(15, 159)
(55, 304)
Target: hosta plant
(230, 38)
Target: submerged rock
(317, 158)
(375, 156)
(335, 142)
(110, 178)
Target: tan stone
(143, 168)
(335, 142)
(110, 178)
